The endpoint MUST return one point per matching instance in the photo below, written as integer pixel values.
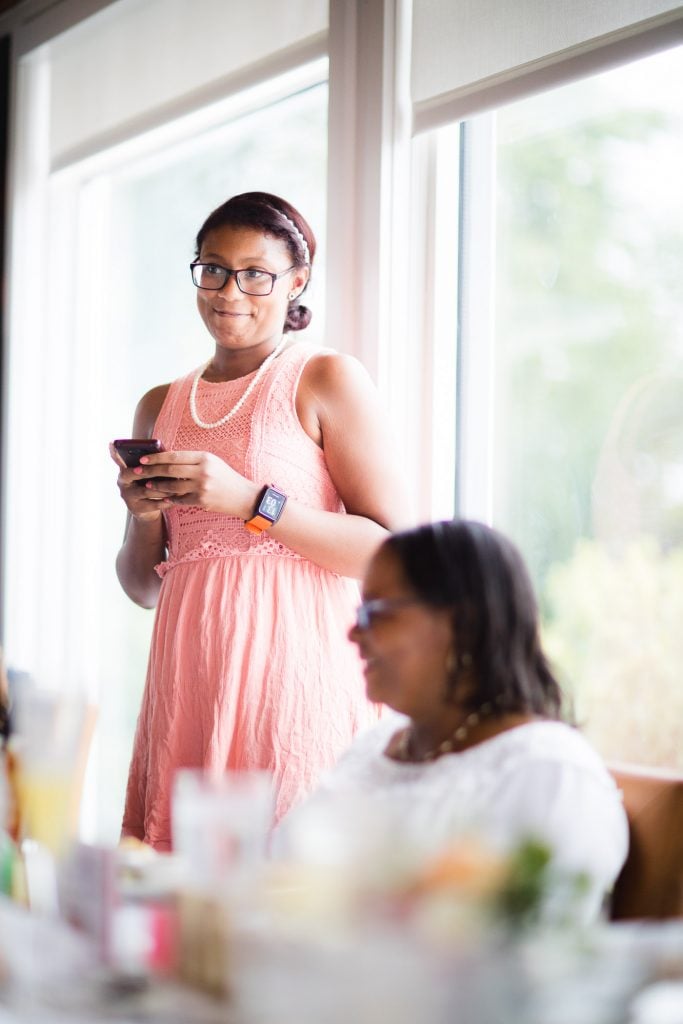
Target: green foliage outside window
(589, 383)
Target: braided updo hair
(278, 218)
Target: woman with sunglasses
(448, 632)
(248, 531)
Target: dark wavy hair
(273, 216)
(479, 574)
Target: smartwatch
(268, 510)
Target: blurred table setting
(341, 925)
(288, 949)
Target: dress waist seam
(164, 567)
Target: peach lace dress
(250, 666)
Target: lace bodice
(264, 441)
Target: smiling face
(236, 320)
(406, 645)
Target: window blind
(134, 62)
(470, 55)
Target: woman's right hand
(144, 540)
(137, 497)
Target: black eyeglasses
(212, 277)
(368, 611)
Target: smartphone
(131, 449)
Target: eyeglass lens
(252, 282)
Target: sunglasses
(368, 611)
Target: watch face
(271, 504)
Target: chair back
(650, 884)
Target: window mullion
(475, 391)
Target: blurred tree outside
(589, 392)
(615, 631)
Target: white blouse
(541, 780)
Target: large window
(569, 397)
(570, 389)
(118, 317)
(588, 473)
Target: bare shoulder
(340, 408)
(330, 377)
(148, 408)
(330, 369)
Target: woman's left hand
(201, 479)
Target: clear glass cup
(221, 823)
(50, 743)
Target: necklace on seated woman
(404, 747)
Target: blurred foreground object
(52, 741)
(221, 824)
(10, 863)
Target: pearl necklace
(238, 405)
(448, 745)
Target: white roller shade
(127, 65)
(468, 55)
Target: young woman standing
(248, 532)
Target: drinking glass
(221, 823)
(51, 731)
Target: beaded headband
(299, 235)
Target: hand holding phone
(131, 449)
(127, 452)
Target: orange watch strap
(257, 524)
(268, 510)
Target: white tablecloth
(49, 974)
